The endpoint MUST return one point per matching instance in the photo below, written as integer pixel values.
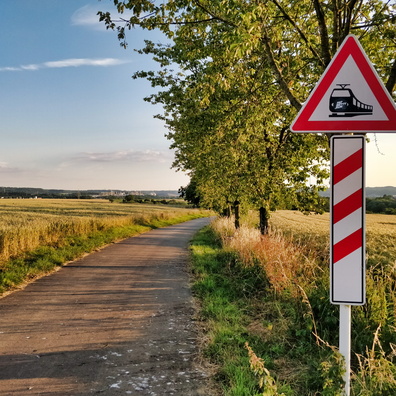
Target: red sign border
(350, 47)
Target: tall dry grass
(283, 261)
(28, 224)
(295, 258)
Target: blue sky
(71, 116)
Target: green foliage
(331, 372)
(385, 204)
(190, 194)
(266, 382)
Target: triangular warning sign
(349, 97)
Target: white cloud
(125, 156)
(10, 68)
(30, 67)
(87, 16)
(83, 62)
(73, 62)
(5, 168)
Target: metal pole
(345, 344)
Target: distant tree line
(150, 200)
(385, 204)
(382, 205)
(28, 193)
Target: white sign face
(349, 97)
(347, 239)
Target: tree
(233, 78)
(190, 194)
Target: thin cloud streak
(123, 156)
(5, 168)
(127, 155)
(88, 16)
(73, 62)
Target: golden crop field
(26, 224)
(314, 230)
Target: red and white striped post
(347, 234)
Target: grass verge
(228, 294)
(45, 259)
(260, 343)
(269, 326)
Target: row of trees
(233, 75)
(385, 204)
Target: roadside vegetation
(269, 326)
(36, 236)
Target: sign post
(347, 235)
(349, 98)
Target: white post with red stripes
(347, 235)
(347, 220)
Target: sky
(71, 116)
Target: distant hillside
(371, 192)
(30, 192)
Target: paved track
(117, 322)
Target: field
(313, 231)
(275, 297)
(43, 227)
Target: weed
(266, 382)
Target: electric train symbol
(343, 103)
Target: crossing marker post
(349, 98)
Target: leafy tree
(232, 79)
(385, 204)
(190, 194)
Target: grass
(273, 294)
(235, 311)
(36, 236)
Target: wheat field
(314, 230)
(26, 224)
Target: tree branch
(324, 36)
(281, 81)
(127, 21)
(214, 16)
(336, 27)
(390, 84)
(300, 32)
(348, 20)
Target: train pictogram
(343, 103)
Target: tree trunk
(237, 214)
(227, 211)
(264, 216)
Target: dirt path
(117, 322)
